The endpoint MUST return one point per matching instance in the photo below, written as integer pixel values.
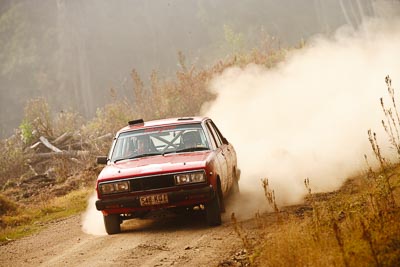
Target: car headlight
(189, 178)
(116, 187)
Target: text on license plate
(153, 199)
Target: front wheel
(112, 223)
(213, 211)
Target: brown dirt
(168, 241)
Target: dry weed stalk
(389, 126)
(370, 172)
(368, 238)
(237, 227)
(316, 215)
(376, 149)
(340, 241)
(392, 124)
(269, 194)
(259, 221)
(382, 181)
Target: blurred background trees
(73, 52)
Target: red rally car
(179, 163)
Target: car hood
(155, 165)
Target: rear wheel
(112, 223)
(213, 211)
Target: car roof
(162, 122)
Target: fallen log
(76, 146)
(109, 135)
(62, 154)
(35, 145)
(49, 145)
(62, 138)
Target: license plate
(151, 200)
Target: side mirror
(102, 160)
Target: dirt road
(173, 240)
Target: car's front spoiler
(183, 197)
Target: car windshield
(159, 141)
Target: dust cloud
(92, 219)
(308, 117)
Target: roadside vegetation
(357, 225)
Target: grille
(152, 182)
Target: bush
(11, 159)
(67, 121)
(7, 207)
(26, 132)
(37, 116)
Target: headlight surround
(114, 187)
(190, 178)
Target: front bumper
(184, 197)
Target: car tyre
(213, 211)
(112, 223)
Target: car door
(220, 155)
(228, 151)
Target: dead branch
(62, 154)
(63, 138)
(109, 135)
(49, 145)
(35, 145)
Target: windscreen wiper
(168, 152)
(192, 149)
(137, 156)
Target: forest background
(73, 53)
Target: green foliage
(26, 132)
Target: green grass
(29, 220)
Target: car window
(214, 134)
(211, 135)
(221, 138)
(160, 140)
